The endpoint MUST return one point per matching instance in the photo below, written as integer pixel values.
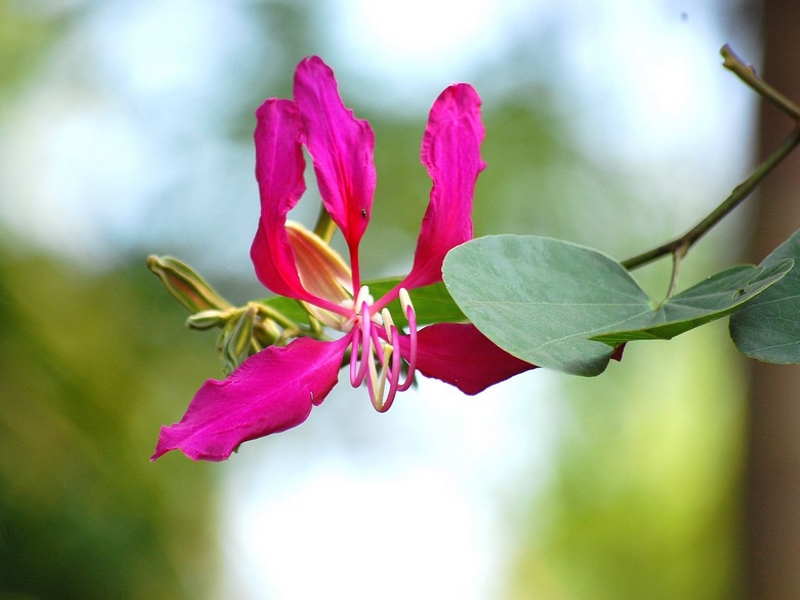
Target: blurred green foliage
(87, 363)
(643, 497)
(25, 34)
(644, 502)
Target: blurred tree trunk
(773, 462)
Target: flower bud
(207, 319)
(266, 332)
(236, 339)
(186, 286)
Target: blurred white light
(417, 47)
(412, 512)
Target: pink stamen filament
(377, 383)
(390, 360)
(377, 344)
(356, 379)
(412, 357)
(354, 347)
(394, 374)
(381, 362)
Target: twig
(747, 74)
(677, 257)
(681, 245)
(324, 227)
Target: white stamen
(387, 321)
(363, 296)
(405, 301)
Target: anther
(388, 323)
(362, 298)
(405, 301)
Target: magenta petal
(451, 153)
(271, 391)
(341, 147)
(462, 356)
(279, 171)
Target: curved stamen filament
(408, 309)
(381, 362)
(377, 382)
(378, 345)
(354, 347)
(394, 372)
(356, 379)
(390, 359)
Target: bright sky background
(642, 86)
(305, 520)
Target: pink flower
(276, 388)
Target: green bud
(207, 319)
(236, 340)
(266, 332)
(186, 286)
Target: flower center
(375, 353)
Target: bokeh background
(126, 129)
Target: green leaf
(288, 307)
(541, 299)
(768, 328)
(565, 307)
(432, 303)
(716, 297)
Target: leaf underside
(566, 307)
(768, 328)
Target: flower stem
(680, 246)
(267, 312)
(324, 227)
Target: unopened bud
(186, 286)
(235, 340)
(207, 319)
(266, 332)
